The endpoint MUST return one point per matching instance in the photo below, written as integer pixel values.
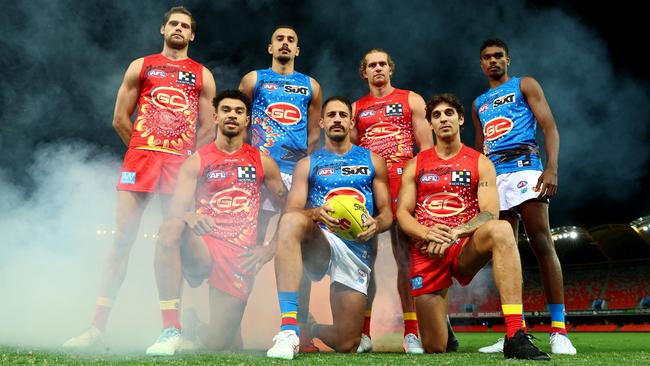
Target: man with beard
(506, 118)
(286, 110)
(172, 92)
(212, 228)
(304, 238)
(390, 122)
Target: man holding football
(306, 234)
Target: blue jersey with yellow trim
(279, 116)
(350, 174)
(509, 128)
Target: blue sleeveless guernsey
(351, 174)
(509, 128)
(279, 116)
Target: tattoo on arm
(483, 184)
(473, 224)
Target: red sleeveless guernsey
(168, 105)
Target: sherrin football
(352, 216)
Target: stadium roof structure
(604, 243)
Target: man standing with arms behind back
(284, 125)
(506, 118)
(172, 92)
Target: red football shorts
(394, 183)
(149, 171)
(429, 275)
(226, 274)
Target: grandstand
(606, 279)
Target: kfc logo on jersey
(154, 73)
(506, 99)
(169, 98)
(285, 113)
(295, 89)
(270, 86)
(497, 128)
(367, 113)
(382, 130)
(217, 175)
(483, 108)
(231, 200)
(345, 191)
(394, 110)
(355, 170)
(325, 172)
(186, 77)
(444, 204)
(429, 178)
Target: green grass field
(593, 349)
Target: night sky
(63, 62)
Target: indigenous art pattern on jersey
(509, 128)
(228, 190)
(384, 126)
(351, 174)
(168, 105)
(280, 116)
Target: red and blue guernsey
(350, 174)
(509, 128)
(280, 111)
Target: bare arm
(381, 195)
(273, 181)
(488, 199)
(206, 131)
(297, 197)
(127, 98)
(247, 84)
(354, 135)
(532, 92)
(421, 127)
(478, 129)
(313, 116)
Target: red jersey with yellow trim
(228, 189)
(384, 126)
(446, 189)
(168, 105)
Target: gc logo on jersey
(231, 200)
(347, 191)
(394, 110)
(169, 98)
(497, 128)
(443, 204)
(285, 113)
(382, 130)
(295, 89)
(506, 99)
(355, 170)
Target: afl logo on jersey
(347, 191)
(284, 113)
(444, 204)
(217, 175)
(231, 200)
(154, 73)
(367, 113)
(324, 172)
(270, 86)
(169, 98)
(382, 130)
(497, 128)
(429, 178)
(483, 108)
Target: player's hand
(323, 216)
(371, 231)
(199, 224)
(437, 250)
(440, 234)
(257, 257)
(547, 183)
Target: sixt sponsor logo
(506, 99)
(295, 89)
(355, 170)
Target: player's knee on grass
(349, 344)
